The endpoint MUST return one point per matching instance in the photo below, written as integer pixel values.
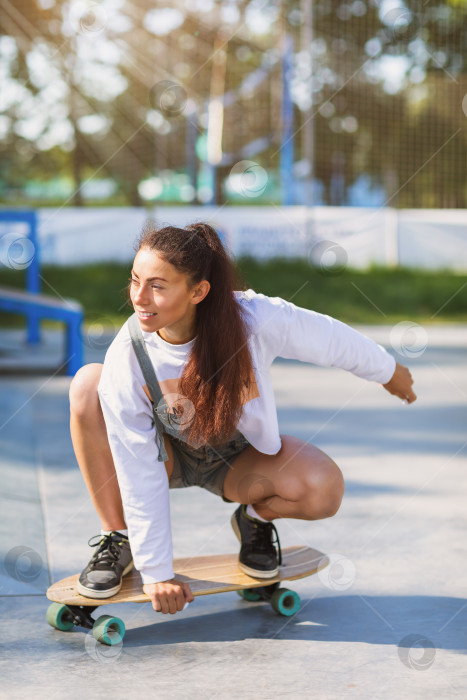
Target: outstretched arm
(401, 383)
(287, 330)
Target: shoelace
(108, 552)
(262, 539)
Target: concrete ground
(387, 619)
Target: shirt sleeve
(141, 477)
(289, 331)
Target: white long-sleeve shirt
(277, 328)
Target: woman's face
(162, 298)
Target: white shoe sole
(254, 573)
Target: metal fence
(336, 102)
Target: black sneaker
(258, 556)
(102, 577)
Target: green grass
(379, 295)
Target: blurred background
(326, 141)
(123, 102)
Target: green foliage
(378, 295)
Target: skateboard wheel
(108, 630)
(59, 616)
(285, 602)
(249, 594)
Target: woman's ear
(200, 291)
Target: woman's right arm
(142, 478)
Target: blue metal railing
(31, 303)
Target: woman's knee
(311, 478)
(83, 389)
(324, 487)
(317, 481)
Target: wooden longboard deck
(218, 573)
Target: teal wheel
(60, 617)
(285, 601)
(108, 630)
(249, 594)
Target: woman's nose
(140, 293)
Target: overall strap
(159, 407)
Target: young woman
(184, 397)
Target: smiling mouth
(145, 314)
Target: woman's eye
(154, 286)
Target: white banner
(347, 236)
(435, 238)
(76, 236)
(363, 236)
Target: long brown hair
(219, 368)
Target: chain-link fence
(340, 102)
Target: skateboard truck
(81, 616)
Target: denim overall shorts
(202, 465)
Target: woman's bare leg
(92, 450)
(91, 446)
(300, 481)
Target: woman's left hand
(401, 384)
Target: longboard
(218, 573)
